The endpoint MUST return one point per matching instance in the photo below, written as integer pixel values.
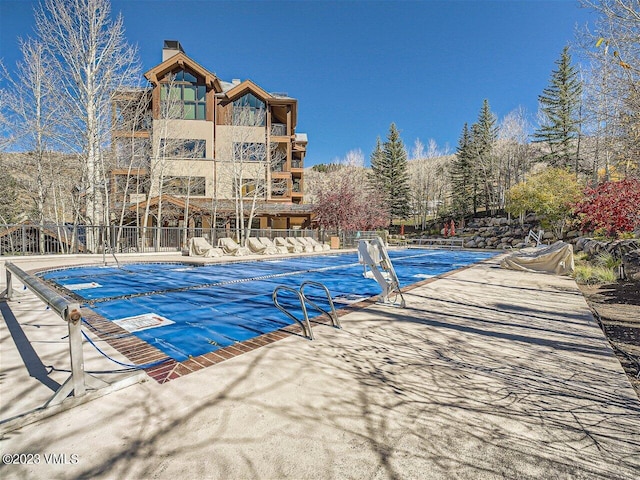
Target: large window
(183, 148)
(132, 152)
(182, 97)
(250, 187)
(279, 187)
(192, 186)
(249, 152)
(249, 111)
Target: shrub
(587, 274)
(550, 193)
(608, 260)
(611, 207)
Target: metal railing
(70, 312)
(450, 242)
(333, 315)
(25, 239)
(303, 322)
(31, 239)
(534, 237)
(278, 129)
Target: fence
(27, 239)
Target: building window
(192, 186)
(279, 187)
(249, 187)
(182, 97)
(249, 152)
(249, 111)
(132, 152)
(183, 148)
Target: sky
(357, 66)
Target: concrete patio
(488, 373)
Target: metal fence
(29, 239)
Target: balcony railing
(278, 129)
(296, 163)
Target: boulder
(631, 265)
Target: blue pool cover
(217, 305)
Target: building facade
(194, 148)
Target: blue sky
(357, 66)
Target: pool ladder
(304, 322)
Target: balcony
(296, 163)
(278, 130)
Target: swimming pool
(189, 310)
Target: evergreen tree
(484, 135)
(560, 105)
(378, 167)
(462, 176)
(389, 173)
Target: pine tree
(389, 173)
(560, 105)
(484, 135)
(462, 176)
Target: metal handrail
(304, 324)
(333, 315)
(537, 237)
(451, 242)
(70, 312)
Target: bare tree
(90, 62)
(427, 179)
(32, 112)
(513, 152)
(248, 163)
(613, 47)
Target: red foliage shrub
(611, 206)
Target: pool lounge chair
(269, 243)
(230, 247)
(305, 241)
(281, 242)
(319, 247)
(296, 241)
(199, 247)
(256, 246)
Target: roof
(181, 59)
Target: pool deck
(488, 373)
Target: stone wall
(503, 234)
(498, 232)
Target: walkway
(488, 373)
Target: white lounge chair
(281, 242)
(199, 247)
(230, 247)
(316, 243)
(256, 246)
(307, 241)
(295, 241)
(269, 243)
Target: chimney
(171, 48)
